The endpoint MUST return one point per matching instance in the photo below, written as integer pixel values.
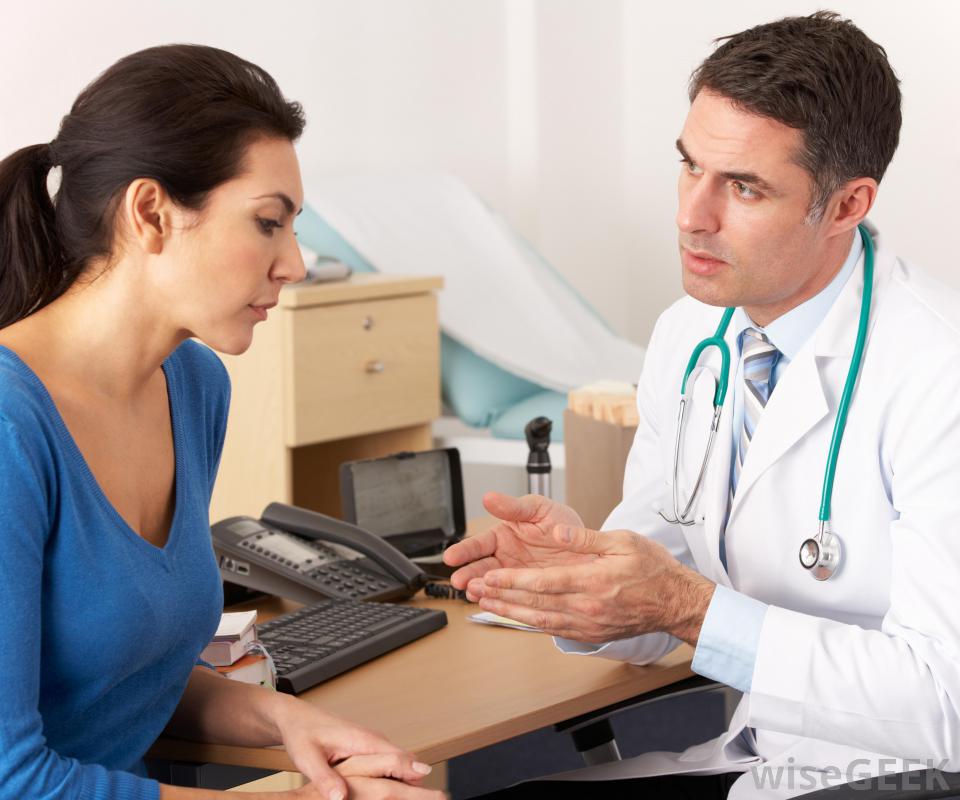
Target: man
(790, 129)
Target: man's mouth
(701, 262)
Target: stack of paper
(234, 634)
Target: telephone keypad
(346, 580)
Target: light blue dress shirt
(727, 646)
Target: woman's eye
(268, 225)
(745, 191)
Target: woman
(173, 220)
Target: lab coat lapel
(798, 401)
(795, 406)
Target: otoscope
(538, 462)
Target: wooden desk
(456, 690)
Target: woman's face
(230, 261)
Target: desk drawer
(361, 368)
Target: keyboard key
(379, 626)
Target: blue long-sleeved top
(100, 628)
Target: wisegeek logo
(894, 774)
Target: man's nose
(698, 208)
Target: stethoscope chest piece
(821, 554)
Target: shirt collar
(789, 332)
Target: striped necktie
(759, 357)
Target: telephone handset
(306, 556)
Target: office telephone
(307, 556)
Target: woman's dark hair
(823, 76)
(182, 115)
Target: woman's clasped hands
(343, 760)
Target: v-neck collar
(86, 473)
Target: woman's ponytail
(31, 262)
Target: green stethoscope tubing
(717, 341)
(843, 409)
(852, 374)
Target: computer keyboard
(319, 641)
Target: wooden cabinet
(338, 372)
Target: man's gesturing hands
(522, 538)
(540, 566)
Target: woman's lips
(261, 310)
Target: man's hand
(623, 585)
(522, 538)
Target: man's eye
(690, 167)
(268, 225)
(745, 191)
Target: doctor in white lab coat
(853, 676)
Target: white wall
(560, 113)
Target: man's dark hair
(823, 76)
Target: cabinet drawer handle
(375, 366)
(367, 323)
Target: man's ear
(850, 205)
(147, 215)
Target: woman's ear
(147, 215)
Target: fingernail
(491, 579)
(336, 794)
(423, 769)
(566, 534)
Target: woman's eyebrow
(283, 198)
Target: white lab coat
(864, 666)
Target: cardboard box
(596, 455)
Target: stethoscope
(821, 554)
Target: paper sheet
(234, 623)
(489, 618)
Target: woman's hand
(361, 788)
(316, 740)
(386, 789)
(379, 776)
(398, 766)
(385, 776)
